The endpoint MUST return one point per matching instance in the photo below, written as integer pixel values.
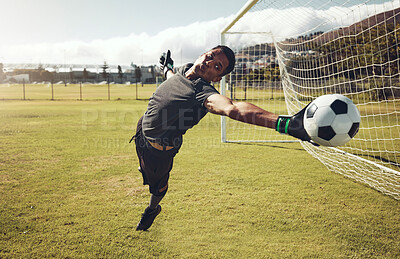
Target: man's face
(211, 65)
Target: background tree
(85, 74)
(105, 73)
(120, 74)
(36, 75)
(138, 74)
(71, 75)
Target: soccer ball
(331, 120)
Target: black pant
(155, 164)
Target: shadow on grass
(378, 158)
(288, 146)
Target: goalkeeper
(181, 102)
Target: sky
(51, 29)
(138, 31)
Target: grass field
(69, 188)
(75, 91)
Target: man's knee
(159, 191)
(163, 190)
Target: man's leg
(155, 200)
(150, 212)
(157, 178)
(155, 167)
(154, 208)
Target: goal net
(289, 52)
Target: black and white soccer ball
(332, 120)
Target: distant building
(82, 73)
(22, 78)
(148, 74)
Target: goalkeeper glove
(293, 125)
(166, 63)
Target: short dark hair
(231, 58)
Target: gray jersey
(176, 106)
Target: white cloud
(296, 21)
(187, 42)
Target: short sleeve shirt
(176, 106)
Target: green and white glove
(293, 125)
(166, 63)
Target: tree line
(41, 74)
(356, 59)
(373, 51)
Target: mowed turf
(69, 188)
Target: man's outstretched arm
(241, 111)
(250, 113)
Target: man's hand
(293, 125)
(166, 63)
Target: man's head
(230, 55)
(214, 64)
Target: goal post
(239, 15)
(288, 53)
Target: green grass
(69, 188)
(75, 91)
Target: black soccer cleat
(148, 217)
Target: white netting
(323, 47)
